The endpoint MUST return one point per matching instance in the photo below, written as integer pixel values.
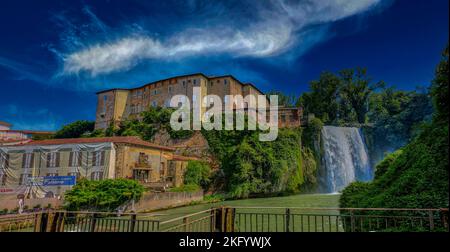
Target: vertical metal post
(222, 219)
(132, 222)
(444, 217)
(431, 219)
(287, 217)
(93, 222)
(212, 220)
(186, 223)
(352, 221)
(43, 222)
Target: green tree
(197, 173)
(75, 129)
(103, 195)
(439, 88)
(153, 120)
(397, 116)
(355, 88)
(283, 99)
(322, 98)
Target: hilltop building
(115, 105)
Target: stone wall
(11, 204)
(154, 201)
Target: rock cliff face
(194, 146)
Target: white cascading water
(345, 157)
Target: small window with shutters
(53, 174)
(53, 159)
(98, 158)
(27, 160)
(75, 159)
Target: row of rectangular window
(53, 159)
(195, 82)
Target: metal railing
(279, 219)
(203, 221)
(18, 223)
(237, 219)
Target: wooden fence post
(37, 222)
(229, 219)
(43, 222)
(54, 221)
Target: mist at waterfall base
(345, 158)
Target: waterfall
(345, 158)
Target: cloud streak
(276, 27)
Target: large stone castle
(115, 105)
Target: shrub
(75, 129)
(217, 197)
(103, 195)
(186, 188)
(197, 173)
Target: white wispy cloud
(21, 71)
(278, 26)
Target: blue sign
(59, 181)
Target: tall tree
(356, 87)
(286, 100)
(322, 99)
(439, 88)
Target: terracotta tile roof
(184, 158)
(13, 141)
(126, 140)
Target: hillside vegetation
(415, 176)
(251, 167)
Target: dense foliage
(340, 99)
(417, 175)
(439, 88)
(253, 167)
(152, 120)
(396, 116)
(103, 195)
(197, 173)
(75, 130)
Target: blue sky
(55, 55)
